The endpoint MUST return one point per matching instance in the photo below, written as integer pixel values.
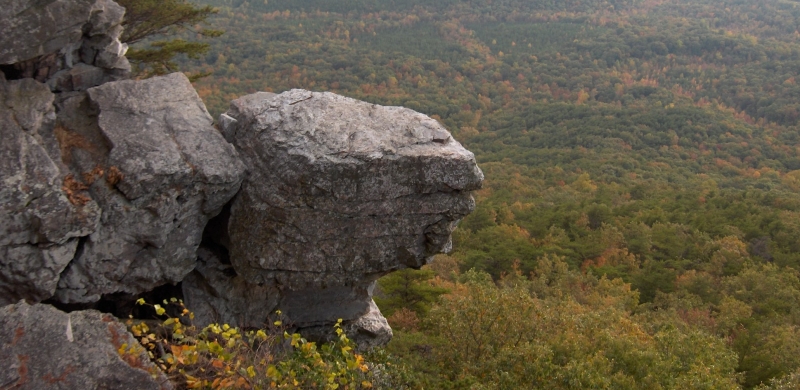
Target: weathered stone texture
(109, 185)
(162, 171)
(341, 190)
(40, 221)
(42, 348)
(339, 193)
(370, 330)
(69, 44)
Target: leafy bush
(559, 330)
(225, 357)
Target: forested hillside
(640, 220)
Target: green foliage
(767, 340)
(158, 58)
(148, 19)
(482, 335)
(407, 289)
(788, 382)
(561, 328)
(642, 162)
(225, 357)
(332, 366)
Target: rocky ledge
(114, 189)
(339, 193)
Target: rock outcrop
(40, 224)
(339, 189)
(110, 188)
(165, 172)
(339, 193)
(44, 348)
(71, 45)
(110, 195)
(215, 293)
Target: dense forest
(640, 220)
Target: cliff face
(109, 185)
(43, 215)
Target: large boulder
(69, 44)
(43, 348)
(112, 194)
(147, 153)
(41, 218)
(340, 192)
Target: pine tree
(410, 289)
(147, 20)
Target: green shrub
(225, 357)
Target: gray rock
(340, 192)
(42, 348)
(159, 171)
(215, 294)
(370, 330)
(31, 29)
(79, 78)
(42, 39)
(324, 305)
(42, 216)
(106, 18)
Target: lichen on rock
(172, 172)
(42, 347)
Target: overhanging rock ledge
(339, 193)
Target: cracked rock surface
(112, 187)
(71, 45)
(40, 224)
(339, 193)
(42, 347)
(112, 193)
(147, 153)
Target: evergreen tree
(410, 289)
(146, 20)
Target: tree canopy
(642, 164)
